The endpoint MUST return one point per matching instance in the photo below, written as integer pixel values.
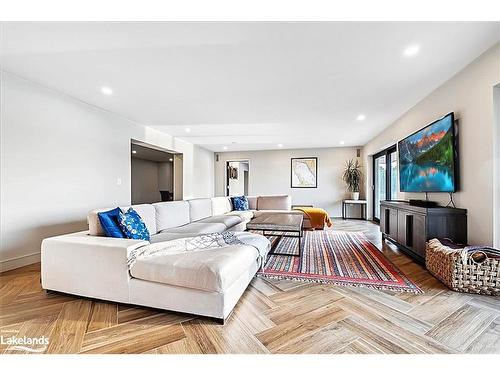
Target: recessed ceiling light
(134, 152)
(187, 130)
(361, 117)
(106, 90)
(170, 159)
(411, 50)
(224, 148)
(342, 142)
(280, 144)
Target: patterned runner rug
(335, 257)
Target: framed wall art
(304, 172)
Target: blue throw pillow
(240, 203)
(109, 223)
(133, 226)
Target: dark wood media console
(410, 227)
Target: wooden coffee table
(284, 224)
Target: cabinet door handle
(387, 221)
(409, 230)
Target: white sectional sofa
(207, 283)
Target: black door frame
(387, 152)
(227, 177)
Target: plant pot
(355, 195)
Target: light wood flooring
(272, 317)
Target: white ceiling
(248, 86)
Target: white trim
(496, 166)
(20, 261)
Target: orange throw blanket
(317, 216)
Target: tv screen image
(427, 158)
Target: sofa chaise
(207, 283)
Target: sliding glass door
(385, 178)
(393, 182)
(379, 185)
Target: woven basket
(469, 270)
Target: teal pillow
(133, 226)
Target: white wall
(178, 177)
(61, 158)
(470, 95)
(200, 162)
(145, 181)
(270, 174)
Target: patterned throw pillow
(109, 223)
(240, 203)
(133, 226)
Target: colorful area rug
(335, 257)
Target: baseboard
(21, 261)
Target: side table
(352, 202)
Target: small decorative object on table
(352, 177)
(469, 269)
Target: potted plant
(352, 177)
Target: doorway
(154, 174)
(237, 175)
(385, 178)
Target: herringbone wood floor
(272, 317)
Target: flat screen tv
(427, 158)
